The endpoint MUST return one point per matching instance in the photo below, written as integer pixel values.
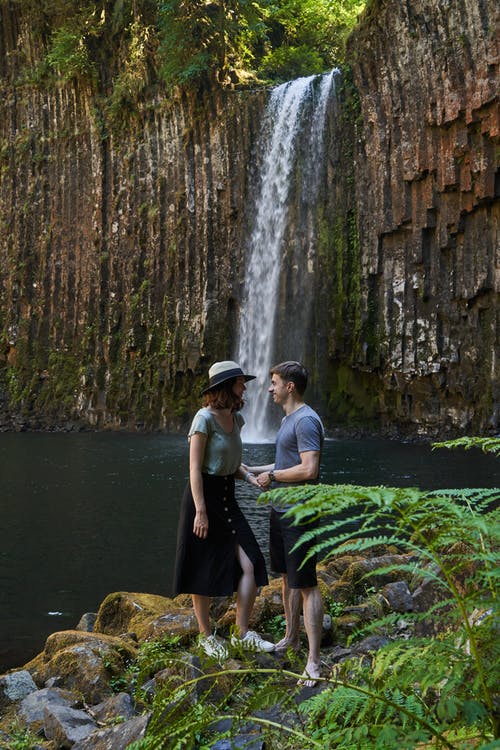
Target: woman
(217, 552)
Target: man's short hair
(294, 372)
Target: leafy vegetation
(436, 689)
(20, 738)
(128, 45)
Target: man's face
(279, 389)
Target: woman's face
(239, 387)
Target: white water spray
(293, 124)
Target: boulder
(123, 612)
(87, 622)
(363, 574)
(117, 737)
(15, 686)
(32, 708)
(397, 597)
(182, 624)
(85, 662)
(65, 726)
(119, 706)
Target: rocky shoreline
(71, 694)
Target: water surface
(83, 515)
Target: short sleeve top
(224, 449)
(300, 431)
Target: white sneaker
(213, 647)
(253, 642)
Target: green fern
(434, 692)
(453, 538)
(486, 444)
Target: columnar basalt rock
(120, 251)
(427, 175)
(122, 248)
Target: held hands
(252, 479)
(200, 526)
(264, 480)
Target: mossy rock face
(342, 591)
(124, 612)
(66, 638)
(346, 625)
(82, 662)
(363, 573)
(181, 623)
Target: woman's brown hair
(222, 397)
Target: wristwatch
(271, 476)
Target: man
(298, 451)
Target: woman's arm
(243, 472)
(197, 445)
(258, 469)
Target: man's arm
(305, 471)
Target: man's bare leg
(292, 604)
(313, 623)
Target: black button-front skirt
(209, 567)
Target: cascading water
(292, 165)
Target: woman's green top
(224, 449)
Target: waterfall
(291, 167)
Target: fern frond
(486, 444)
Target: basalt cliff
(122, 249)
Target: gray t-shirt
(224, 449)
(300, 431)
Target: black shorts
(283, 536)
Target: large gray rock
(119, 705)
(87, 622)
(117, 737)
(32, 708)
(65, 726)
(398, 596)
(84, 662)
(16, 686)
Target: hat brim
(223, 378)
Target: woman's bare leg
(201, 606)
(247, 591)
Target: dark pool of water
(83, 515)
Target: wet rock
(15, 686)
(65, 726)
(87, 622)
(125, 612)
(246, 741)
(117, 706)
(117, 737)
(369, 644)
(82, 661)
(182, 624)
(398, 597)
(338, 654)
(364, 576)
(32, 708)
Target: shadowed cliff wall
(120, 248)
(121, 251)
(416, 345)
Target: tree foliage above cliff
(128, 44)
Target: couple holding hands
(217, 553)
